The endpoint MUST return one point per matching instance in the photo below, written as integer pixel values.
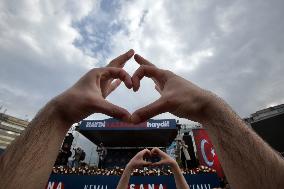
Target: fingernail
(136, 56)
(130, 53)
(135, 119)
(130, 84)
(134, 89)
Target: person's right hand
(178, 96)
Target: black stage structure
(269, 124)
(123, 140)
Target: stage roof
(114, 133)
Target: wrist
(214, 108)
(61, 106)
(129, 168)
(52, 110)
(209, 103)
(175, 167)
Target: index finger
(114, 73)
(120, 61)
(158, 152)
(142, 61)
(145, 152)
(148, 71)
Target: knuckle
(112, 62)
(165, 73)
(168, 72)
(95, 70)
(143, 67)
(169, 101)
(122, 72)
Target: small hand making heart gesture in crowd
(139, 161)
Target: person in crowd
(78, 157)
(102, 153)
(185, 157)
(248, 162)
(65, 151)
(63, 155)
(138, 161)
(68, 139)
(154, 171)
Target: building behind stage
(10, 128)
(269, 124)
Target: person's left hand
(138, 160)
(88, 95)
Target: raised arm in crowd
(248, 162)
(138, 161)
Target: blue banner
(56, 181)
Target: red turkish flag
(206, 152)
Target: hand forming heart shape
(178, 96)
(138, 160)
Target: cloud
(37, 54)
(234, 49)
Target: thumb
(146, 163)
(112, 110)
(162, 162)
(155, 108)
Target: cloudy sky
(233, 48)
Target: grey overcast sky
(233, 48)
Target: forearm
(28, 161)
(179, 178)
(248, 161)
(124, 179)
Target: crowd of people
(117, 171)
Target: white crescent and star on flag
(202, 145)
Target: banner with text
(56, 181)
